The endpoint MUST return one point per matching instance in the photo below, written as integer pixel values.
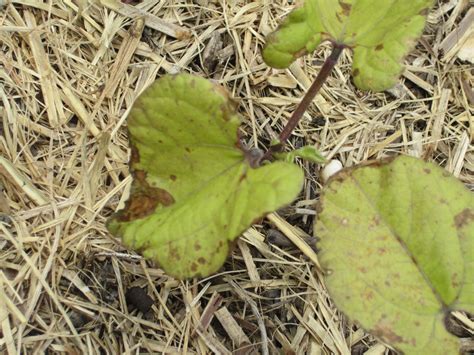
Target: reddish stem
(323, 74)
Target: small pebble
(277, 238)
(136, 297)
(331, 168)
(78, 320)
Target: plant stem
(311, 93)
(323, 74)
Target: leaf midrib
(402, 244)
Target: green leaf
(398, 240)
(308, 153)
(380, 33)
(193, 189)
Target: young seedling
(397, 237)
(195, 187)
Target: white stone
(330, 169)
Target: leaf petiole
(313, 90)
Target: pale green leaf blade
(398, 261)
(378, 54)
(298, 35)
(192, 238)
(380, 33)
(193, 122)
(308, 153)
(193, 191)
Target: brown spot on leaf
(369, 295)
(220, 90)
(346, 8)
(201, 260)
(379, 47)
(424, 12)
(300, 53)
(187, 149)
(143, 199)
(382, 251)
(426, 170)
(194, 267)
(174, 254)
(464, 218)
(197, 246)
(140, 176)
(384, 332)
(173, 177)
(454, 280)
(355, 72)
(134, 155)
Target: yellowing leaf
(398, 240)
(193, 189)
(380, 33)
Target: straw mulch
(69, 73)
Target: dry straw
(69, 73)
